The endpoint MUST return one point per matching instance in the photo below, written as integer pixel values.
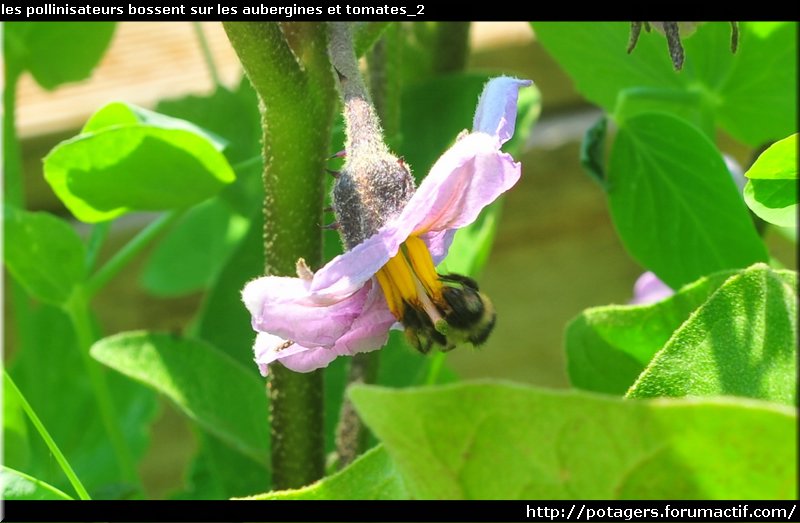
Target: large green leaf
(130, 159)
(593, 54)
(741, 342)
(674, 203)
(57, 52)
(752, 94)
(47, 365)
(230, 402)
(371, 476)
(492, 440)
(772, 190)
(757, 95)
(608, 347)
(43, 253)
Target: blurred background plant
(550, 250)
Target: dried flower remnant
(674, 31)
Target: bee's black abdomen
(466, 304)
(480, 336)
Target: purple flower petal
(268, 348)
(464, 180)
(368, 332)
(342, 310)
(496, 113)
(439, 243)
(649, 289)
(286, 308)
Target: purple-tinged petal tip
(496, 113)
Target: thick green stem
(297, 103)
(451, 47)
(51, 444)
(78, 311)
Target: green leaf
(18, 485)
(772, 190)
(741, 342)
(371, 476)
(134, 160)
(50, 338)
(757, 96)
(213, 112)
(492, 440)
(231, 403)
(752, 93)
(43, 253)
(118, 114)
(594, 55)
(674, 203)
(191, 255)
(608, 347)
(57, 52)
(778, 162)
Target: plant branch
(78, 311)
(451, 47)
(207, 56)
(297, 103)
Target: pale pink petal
(341, 310)
(347, 272)
(464, 180)
(496, 113)
(368, 332)
(268, 348)
(309, 360)
(467, 178)
(285, 307)
(439, 243)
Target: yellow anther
(410, 278)
(419, 256)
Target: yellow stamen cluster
(410, 277)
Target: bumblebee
(468, 314)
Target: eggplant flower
(387, 277)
